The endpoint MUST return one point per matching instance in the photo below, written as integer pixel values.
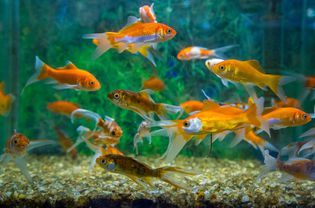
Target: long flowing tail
(41, 72)
(167, 174)
(104, 42)
(219, 52)
(270, 165)
(275, 83)
(164, 109)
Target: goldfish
(110, 130)
(143, 131)
(294, 167)
(141, 173)
(218, 121)
(286, 117)
(153, 83)
(17, 147)
(192, 106)
(141, 103)
(147, 13)
(66, 143)
(195, 52)
(136, 36)
(248, 73)
(6, 101)
(67, 77)
(62, 107)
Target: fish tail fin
(40, 143)
(79, 113)
(254, 115)
(164, 109)
(41, 72)
(167, 174)
(310, 132)
(144, 51)
(270, 164)
(219, 52)
(257, 141)
(21, 164)
(275, 83)
(104, 42)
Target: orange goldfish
(111, 150)
(300, 168)
(219, 121)
(134, 36)
(141, 173)
(147, 13)
(153, 83)
(6, 101)
(17, 147)
(141, 103)
(66, 143)
(286, 117)
(192, 106)
(195, 52)
(248, 73)
(67, 77)
(62, 107)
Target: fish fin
(66, 86)
(144, 51)
(41, 72)
(167, 174)
(110, 119)
(77, 142)
(4, 158)
(220, 136)
(275, 83)
(264, 125)
(178, 142)
(130, 21)
(137, 180)
(225, 82)
(121, 46)
(21, 164)
(256, 65)
(251, 91)
(137, 139)
(270, 165)
(39, 143)
(239, 136)
(200, 138)
(159, 132)
(105, 42)
(70, 65)
(85, 113)
(210, 105)
(164, 109)
(309, 145)
(219, 52)
(93, 160)
(310, 132)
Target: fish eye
(103, 161)
(168, 31)
(304, 117)
(91, 82)
(116, 96)
(15, 141)
(221, 67)
(186, 124)
(113, 133)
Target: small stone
(245, 199)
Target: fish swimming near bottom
(17, 147)
(141, 173)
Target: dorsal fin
(147, 94)
(130, 21)
(210, 104)
(255, 64)
(70, 65)
(2, 86)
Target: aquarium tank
(175, 103)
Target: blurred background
(280, 34)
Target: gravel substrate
(61, 182)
